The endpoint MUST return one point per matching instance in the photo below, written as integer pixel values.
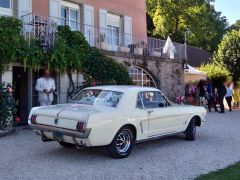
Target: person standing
(202, 93)
(236, 95)
(221, 91)
(211, 96)
(45, 87)
(228, 96)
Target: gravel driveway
(24, 156)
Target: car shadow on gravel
(101, 153)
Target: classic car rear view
(116, 117)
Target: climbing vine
(10, 41)
(71, 53)
(104, 69)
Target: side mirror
(161, 105)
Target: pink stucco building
(118, 27)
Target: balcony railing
(44, 28)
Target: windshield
(98, 97)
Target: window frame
(122, 94)
(68, 20)
(7, 11)
(143, 107)
(135, 71)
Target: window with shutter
(113, 31)
(70, 15)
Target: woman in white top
(228, 96)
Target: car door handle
(150, 111)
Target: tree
(235, 26)
(174, 17)
(228, 53)
(216, 72)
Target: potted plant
(123, 49)
(156, 53)
(7, 109)
(139, 48)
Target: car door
(143, 116)
(162, 116)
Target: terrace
(44, 28)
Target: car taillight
(34, 119)
(80, 127)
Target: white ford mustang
(116, 117)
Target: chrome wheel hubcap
(123, 141)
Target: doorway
(21, 94)
(24, 81)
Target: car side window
(151, 99)
(139, 102)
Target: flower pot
(138, 51)
(124, 49)
(104, 45)
(156, 53)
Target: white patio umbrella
(169, 48)
(192, 70)
(193, 74)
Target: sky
(229, 8)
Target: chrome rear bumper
(63, 131)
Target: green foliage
(33, 55)
(216, 72)
(228, 53)
(71, 53)
(10, 41)
(174, 17)
(70, 50)
(235, 26)
(7, 108)
(104, 69)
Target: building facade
(117, 27)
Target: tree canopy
(174, 17)
(216, 72)
(235, 26)
(228, 53)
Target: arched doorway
(140, 77)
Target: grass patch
(229, 173)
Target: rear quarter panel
(104, 126)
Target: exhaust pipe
(44, 139)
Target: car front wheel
(191, 130)
(122, 144)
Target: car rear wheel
(122, 144)
(191, 130)
(66, 145)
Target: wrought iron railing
(44, 28)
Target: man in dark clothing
(221, 94)
(211, 96)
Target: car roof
(123, 88)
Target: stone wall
(167, 73)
